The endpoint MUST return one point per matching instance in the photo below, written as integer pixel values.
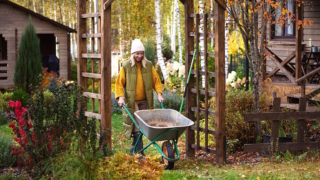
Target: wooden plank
(287, 60)
(210, 35)
(210, 93)
(220, 112)
(87, 35)
(299, 34)
(93, 104)
(92, 115)
(275, 123)
(197, 80)
(91, 75)
(106, 70)
(203, 130)
(90, 15)
(281, 146)
(99, 67)
(92, 95)
(210, 74)
(222, 4)
(194, 146)
(202, 54)
(201, 110)
(281, 116)
(86, 55)
(201, 16)
(282, 68)
(107, 3)
(301, 125)
(308, 75)
(190, 100)
(205, 32)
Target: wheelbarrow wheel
(167, 149)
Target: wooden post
(303, 88)
(275, 124)
(301, 125)
(205, 33)
(106, 71)
(299, 31)
(190, 100)
(220, 81)
(198, 79)
(82, 44)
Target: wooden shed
(54, 39)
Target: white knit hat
(136, 46)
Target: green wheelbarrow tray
(160, 125)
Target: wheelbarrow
(161, 125)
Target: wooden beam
(284, 62)
(106, 70)
(266, 147)
(275, 123)
(92, 95)
(283, 69)
(281, 116)
(210, 74)
(210, 93)
(299, 31)
(82, 44)
(90, 15)
(87, 56)
(91, 75)
(203, 53)
(107, 4)
(203, 130)
(203, 111)
(201, 16)
(92, 115)
(193, 34)
(190, 100)
(194, 146)
(220, 111)
(308, 75)
(87, 35)
(222, 4)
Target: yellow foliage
(125, 166)
(46, 76)
(233, 44)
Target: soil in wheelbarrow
(161, 123)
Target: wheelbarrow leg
(137, 144)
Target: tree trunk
(55, 10)
(179, 32)
(34, 6)
(43, 9)
(173, 37)
(201, 41)
(158, 37)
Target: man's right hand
(121, 101)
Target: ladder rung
(90, 15)
(192, 34)
(98, 35)
(210, 74)
(92, 95)
(84, 55)
(92, 115)
(194, 109)
(91, 75)
(210, 93)
(202, 54)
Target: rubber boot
(139, 145)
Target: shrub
(48, 97)
(239, 132)
(6, 160)
(74, 70)
(4, 119)
(171, 100)
(4, 100)
(20, 95)
(28, 64)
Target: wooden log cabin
(284, 45)
(52, 34)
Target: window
(287, 30)
(3, 49)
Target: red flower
(18, 105)
(11, 103)
(29, 124)
(76, 113)
(12, 125)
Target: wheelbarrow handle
(131, 116)
(162, 105)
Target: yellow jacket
(140, 92)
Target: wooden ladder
(103, 59)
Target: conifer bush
(28, 65)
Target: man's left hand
(160, 98)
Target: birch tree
(173, 37)
(179, 31)
(158, 37)
(201, 41)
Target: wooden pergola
(104, 74)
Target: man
(134, 87)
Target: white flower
(233, 73)
(182, 71)
(239, 81)
(169, 68)
(175, 66)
